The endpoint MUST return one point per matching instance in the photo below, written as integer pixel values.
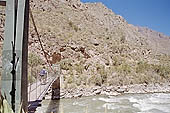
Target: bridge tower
(15, 53)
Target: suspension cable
(1, 38)
(35, 28)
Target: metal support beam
(24, 87)
(21, 50)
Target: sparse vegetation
(33, 61)
(121, 72)
(75, 27)
(124, 69)
(142, 67)
(118, 57)
(79, 68)
(66, 64)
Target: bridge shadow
(54, 104)
(33, 105)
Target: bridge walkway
(36, 92)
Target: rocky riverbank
(112, 90)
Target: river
(127, 103)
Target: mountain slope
(157, 41)
(94, 46)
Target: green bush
(162, 70)
(103, 73)
(71, 86)
(76, 28)
(95, 80)
(117, 60)
(66, 64)
(70, 23)
(70, 79)
(34, 60)
(73, 26)
(31, 79)
(79, 68)
(122, 39)
(142, 67)
(124, 68)
(81, 79)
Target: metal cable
(45, 54)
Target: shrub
(117, 60)
(70, 23)
(73, 26)
(71, 86)
(102, 72)
(31, 79)
(34, 60)
(66, 64)
(76, 28)
(124, 68)
(122, 39)
(70, 79)
(81, 79)
(142, 67)
(95, 80)
(79, 68)
(162, 70)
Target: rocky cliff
(95, 46)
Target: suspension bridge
(37, 91)
(14, 80)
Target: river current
(127, 103)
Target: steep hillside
(157, 41)
(94, 46)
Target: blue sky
(154, 14)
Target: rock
(97, 92)
(62, 94)
(95, 88)
(82, 50)
(86, 55)
(78, 95)
(69, 96)
(121, 90)
(108, 89)
(64, 72)
(105, 93)
(94, 42)
(62, 49)
(87, 94)
(114, 93)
